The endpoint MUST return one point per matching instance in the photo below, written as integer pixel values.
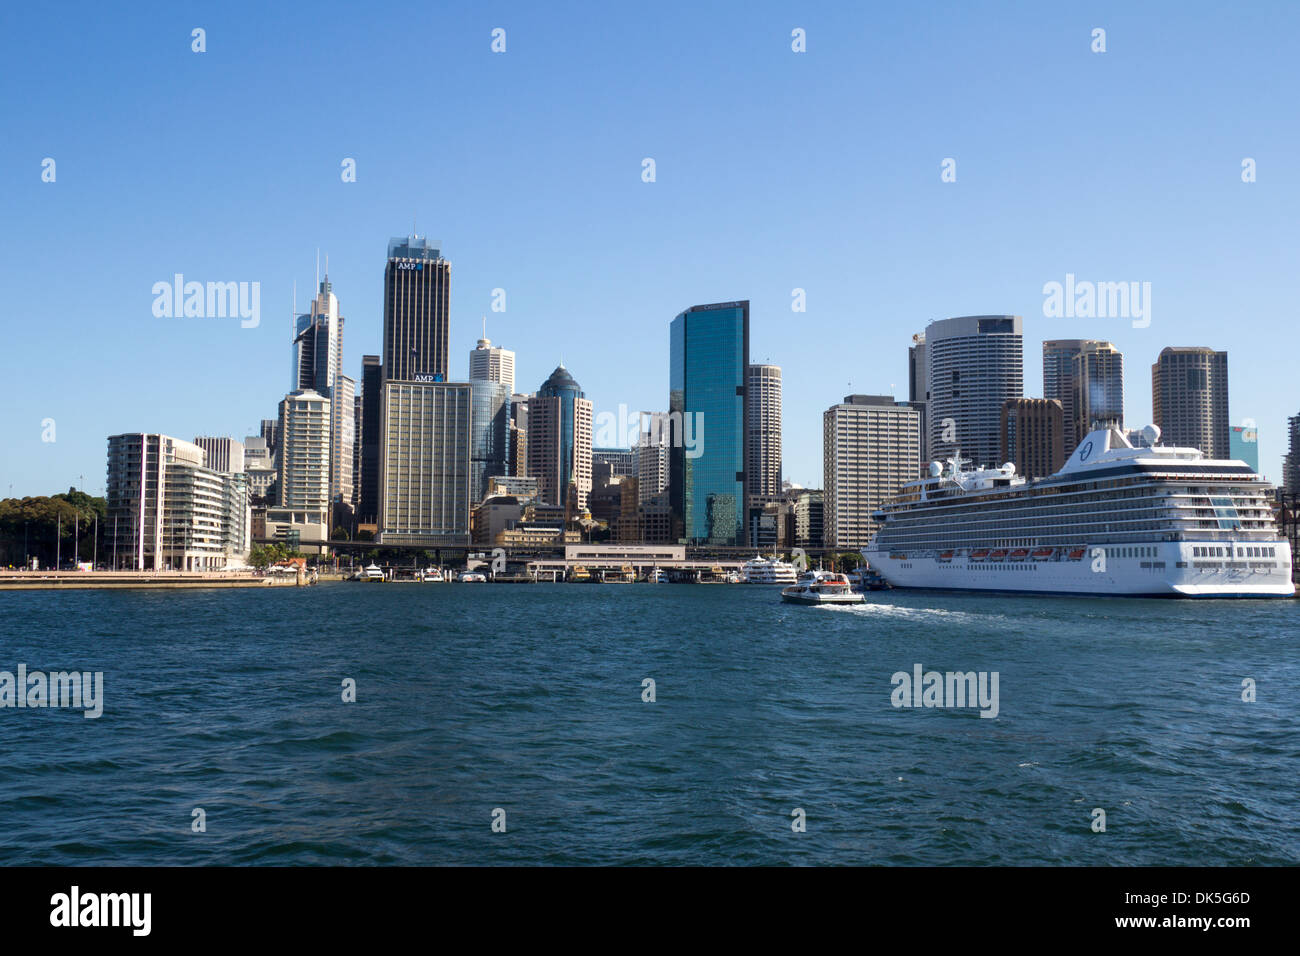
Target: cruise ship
(1115, 520)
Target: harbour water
(530, 699)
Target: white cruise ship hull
(1164, 570)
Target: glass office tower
(489, 423)
(708, 483)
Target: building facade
(489, 435)
(417, 290)
(223, 454)
(763, 420)
(976, 363)
(559, 439)
(372, 400)
(1097, 384)
(303, 483)
(1033, 436)
(491, 363)
(870, 447)
(167, 510)
(425, 470)
(1189, 397)
(708, 450)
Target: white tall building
(304, 467)
(343, 433)
(168, 510)
(491, 363)
(871, 446)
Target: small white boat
(821, 587)
(472, 577)
(373, 573)
(432, 576)
(657, 576)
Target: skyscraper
(304, 466)
(1097, 373)
(343, 397)
(763, 422)
(871, 445)
(1058, 381)
(491, 363)
(372, 401)
(559, 439)
(708, 447)
(318, 343)
(976, 363)
(1033, 435)
(417, 284)
(1291, 460)
(918, 388)
(425, 468)
(1189, 397)
(489, 435)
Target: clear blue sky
(775, 170)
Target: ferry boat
(657, 576)
(1158, 521)
(373, 573)
(431, 576)
(821, 587)
(472, 577)
(769, 571)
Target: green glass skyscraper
(708, 483)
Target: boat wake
(910, 613)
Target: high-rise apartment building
(1291, 460)
(1033, 436)
(167, 510)
(303, 481)
(763, 422)
(1189, 397)
(417, 288)
(343, 411)
(976, 363)
(1097, 385)
(318, 343)
(871, 446)
(559, 439)
(708, 453)
(425, 470)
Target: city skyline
(247, 220)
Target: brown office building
(1033, 435)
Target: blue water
(529, 699)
